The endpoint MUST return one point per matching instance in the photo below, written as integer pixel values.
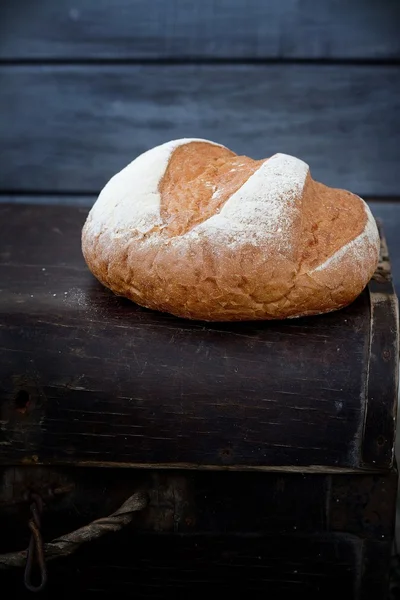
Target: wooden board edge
(34, 461)
(379, 428)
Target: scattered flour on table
(76, 297)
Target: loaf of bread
(193, 229)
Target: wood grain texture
(85, 200)
(141, 392)
(244, 29)
(71, 128)
(108, 382)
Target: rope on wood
(67, 544)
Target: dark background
(87, 85)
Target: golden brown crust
(183, 266)
(205, 177)
(331, 219)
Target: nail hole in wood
(226, 453)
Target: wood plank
(88, 405)
(203, 502)
(380, 423)
(79, 125)
(126, 565)
(310, 529)
(163, 391)
(85, 201)
(239, 29)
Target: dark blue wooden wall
(87, 85)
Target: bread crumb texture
(193, 229)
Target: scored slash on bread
(192, 229)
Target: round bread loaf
(192, 229)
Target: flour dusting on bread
(264, 207)
(130, 201)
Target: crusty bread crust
(192, 229)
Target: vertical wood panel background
(200, 29)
